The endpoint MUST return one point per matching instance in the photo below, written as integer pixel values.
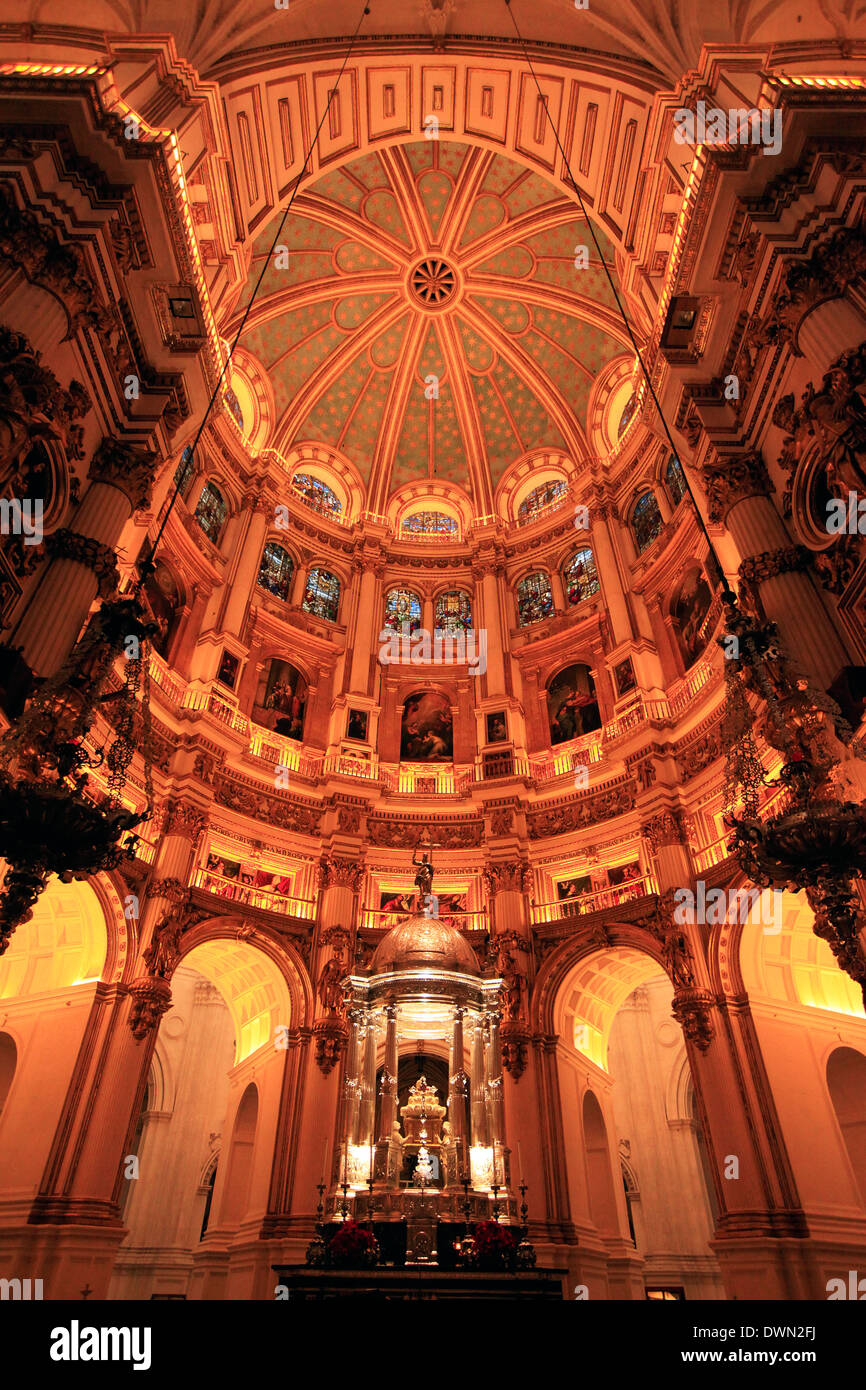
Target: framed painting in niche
(497, 727)
(624, 677)
(356, 725)
(228, 671)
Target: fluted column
(368, 625)
(738, 494)
(610, 578)
(246, 559)
(354, 1079)
(494, 1079)
(82, 564)
(488, 584)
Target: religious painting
(426, 730)
(689, 611)
(451, 902)
(394, 903)
(626, 882)
(623, 674)
(228, 671)
(497, 728)
(281, 699)
(163, 598)
(572, 707)
(356, 726)
(571, 890)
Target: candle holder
(525, 1254)
(344, 1205)
(317, 1249)
(496, 1189)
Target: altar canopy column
(457, 1090)
(480, 1126)
(368, 1091)
(82, 564)
(494, 1079)
(354, 1060)
(389, 1076)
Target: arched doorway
(635, 1136)
(846, 1081)
(202, 1160)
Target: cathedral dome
(423, 943)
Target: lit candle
(520, 1160)
(324, 1160)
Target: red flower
(352, 1244)
(493, 1241)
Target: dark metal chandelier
(815, 840)
(51, 820)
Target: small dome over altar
(424, 943)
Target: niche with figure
(427, 729)
(572, 706)
(281, 699)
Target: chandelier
(51, 819)
(815, 839)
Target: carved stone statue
(329, 984)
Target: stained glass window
(317, 494)
(453, 612)
(581, 578)
(402, 606)
(234, 406)
(429, 524)
(646, 520)
(184, 470)
(541, 497)
(675, 479)
(322, 595)
(276, 569)
(625, 419)
(534, 599)
(211, 512)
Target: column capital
(129, 469)
(736, 478)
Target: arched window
(211, 512)
(184, 470)
(402, 607)
(428, 524)
(317, 494)
(534, 599)
(646, 520)
(322, 595)
(276, 570)
(453, 612)
(234, 406)
(581, 578)
(541, 497)
(675, 479)
(208, 1201)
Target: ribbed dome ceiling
(431, 267)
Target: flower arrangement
(495, 1245)
(353, 1246)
